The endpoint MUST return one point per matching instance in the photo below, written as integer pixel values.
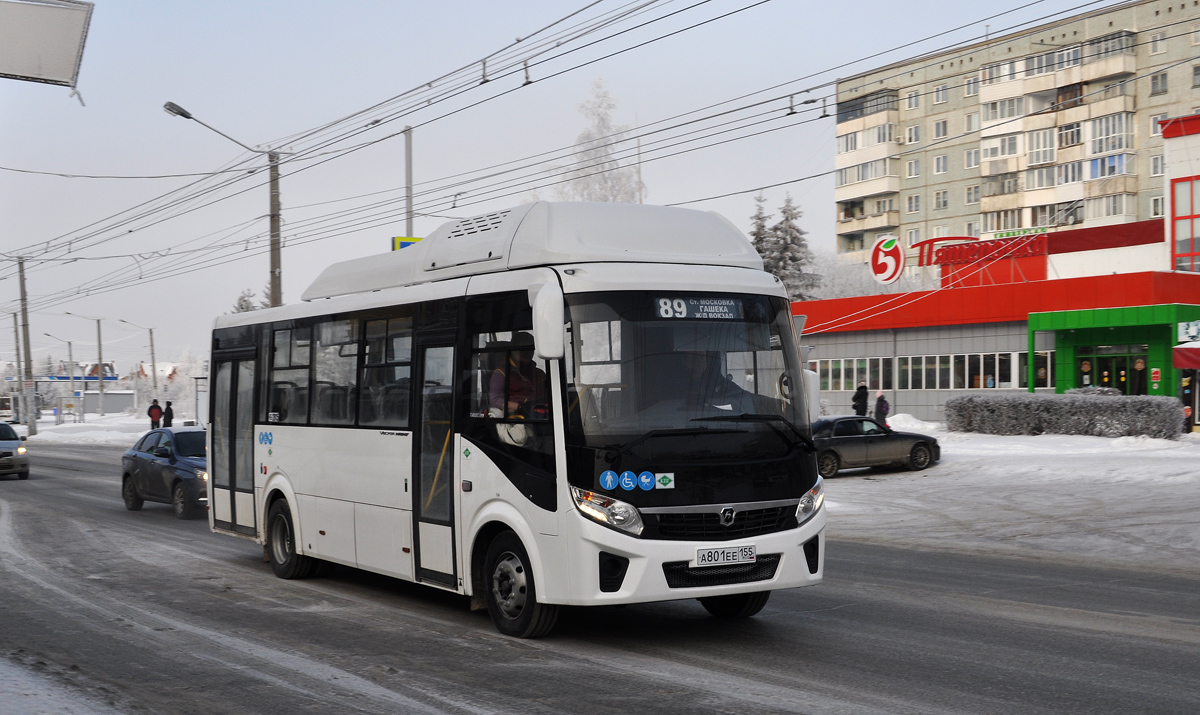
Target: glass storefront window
(974, 380)
(988, 379)
(902, 373)
(918, 372)
(887, 373)
(960, 372)
(930, 372)
(944, 372)
(1004, 370)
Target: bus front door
(433, 466)
(231, 462)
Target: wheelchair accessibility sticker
(628, 481)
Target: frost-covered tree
(596, 174)
(761, 236)
(788, 253)
(266, 296)
(245, 302)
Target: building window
(865, 172)
(1114, 165)
(997, 147)
(1003, 109)
(847, 142)
(1156, 207)
(1066, 214)
(1069, 96)
(971, 159)
(1157, 165)
(972, 229)
(941, 199)
(1158, 83)
(1117, 43)
(971, 87)
(940, 94)
(1158, 43)
(914, 236)
(1114, 205)
(941, 231)
(1070, 135)
(1111, 133)
(1041, 146)
(1000, 72)
(940, 129)
(1069, 173)
(914, 168)
(972, 195)
(1155, 129)
(1054, 60)
(879, 135)
(884, 205)
(973, 122)
(1002, 220)
(881, 101)
(1185, 244)
(1196, 34)
(1001, 184)
(1196, 75)
(1042, 178)
(914, 203)
(941, 164)
(913, 134)
(914, 100)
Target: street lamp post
(70, 369)
(99, 362)
(153, 363)
(276, 297)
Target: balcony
(871, 187)
(868, 222)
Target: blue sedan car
(170, 466)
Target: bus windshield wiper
(624, 448)
(748, 417)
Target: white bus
(557, 404)
(7, 413)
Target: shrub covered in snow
(1093, 390)
(1102, 416)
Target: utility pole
(71, 374)
(30, 408)
(276, 241)
(100, 368)
(408, 181)
(19, 396)
(153, 362)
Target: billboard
(42, 40)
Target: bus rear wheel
(738, 605)
(511, 593)
(281, 544)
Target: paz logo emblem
(727, 515)
(887, 259)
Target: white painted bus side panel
(383, 540)
(244, 506)
(327, 529)
(220, 502)
(365, 466)
(437, 547)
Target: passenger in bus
(524, 398)
(709, 385)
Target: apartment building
(1049, 129)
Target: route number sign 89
(699, 308)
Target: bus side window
(288, 401)
(386, 385)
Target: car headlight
(21, 449)
(202, 475)
(810, 503)
(608, 511)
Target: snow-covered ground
(115, 429)
(1129, 501)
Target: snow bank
(904, 422)
(117, 430)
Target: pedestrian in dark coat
(168, 415)
(154, 413)
(882, 408)
(859, 401)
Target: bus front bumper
(661, 570)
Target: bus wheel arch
(511, 594)
(479, 547)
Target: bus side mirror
(546, 299)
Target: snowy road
(109, 610)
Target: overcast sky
(264, 70)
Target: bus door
(231, 463)
(433, 463)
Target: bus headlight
(811, 502)
(608, 511)
(202, 475)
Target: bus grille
(707, 526)
(680, 575)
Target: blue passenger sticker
(646, 480)
(608, 480)
(628, 481)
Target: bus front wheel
(281, 544)
(511, 593)
(738, 605)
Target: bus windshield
(674, 376)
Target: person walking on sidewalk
(168, 415)
(882, 408)
(155, 414)
(859, 401)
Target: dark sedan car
(850, 441)
(167, 465)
